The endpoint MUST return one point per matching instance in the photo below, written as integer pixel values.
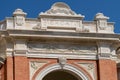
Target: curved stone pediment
(60, 8)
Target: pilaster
(106, 66)
(9, 59)
(104, 50)
(21, 64)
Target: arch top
(67, 67)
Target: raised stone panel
(104, 47)
(20, 44)
(60, 24)
(62, 48)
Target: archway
(61, 75)
(67, 70)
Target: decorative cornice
(67, 35)
(66, 55)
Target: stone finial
(19, 17)
(19, 12)
(100, 16)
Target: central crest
(60, 8)
(60, 17)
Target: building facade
(58, 45)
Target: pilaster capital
(20, 47)
(104, 50)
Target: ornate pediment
(60, 8)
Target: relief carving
(102, 25)
(62, 48)
(61, 9)
(19, 21)
(89, 67)
(19, 16)
(60, 22)
(101, 21)
(35, 65)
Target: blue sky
(88, 8)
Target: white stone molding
(67, 67)
(102, 24)
(62, 48)
(20, 47)
(61, 18)
(63, 24)
(104, 47)
(89, 67)
(69, 51)
(56, 55)
(100, 16)
(35, 65)
(104, 50)
(19, 12)
(9, 48)
(20, 44)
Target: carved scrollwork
(33, 65)
(90, 66)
